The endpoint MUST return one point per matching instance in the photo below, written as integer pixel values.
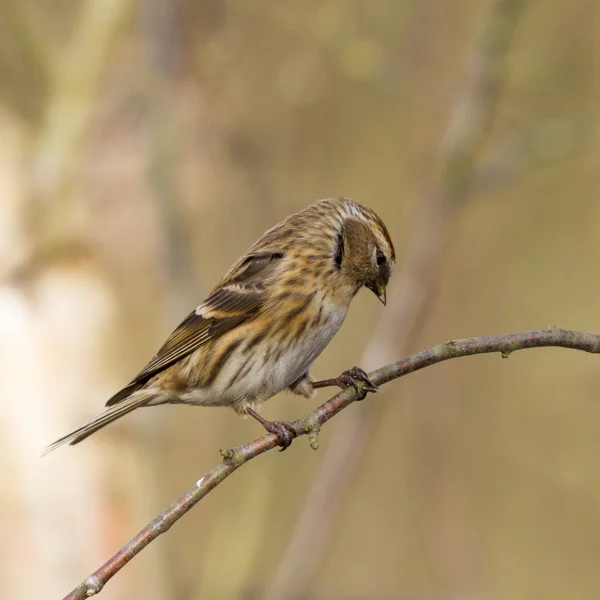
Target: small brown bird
(267, 320)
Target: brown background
(145, 145)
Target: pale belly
(298, 359)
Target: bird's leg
(349, 378)
(303, 386)
(282, 429)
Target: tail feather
(108, 416)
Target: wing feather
(238, 298)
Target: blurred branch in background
(311, 426)
(27, 60)
(66, 80)
(160, 26)
(412, 295)
(73, 89)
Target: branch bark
(311, 424)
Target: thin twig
(311, 424)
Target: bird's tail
(108, 416)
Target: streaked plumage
(268, 319)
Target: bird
(267, 320)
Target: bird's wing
(238, 298)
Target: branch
(311, 424)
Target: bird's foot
(350, 378)
(283, 430)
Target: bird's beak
(379, 290)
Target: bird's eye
(380, 258)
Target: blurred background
(145, 145)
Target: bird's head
(364, 250)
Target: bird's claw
(283, 430)
(352, 376)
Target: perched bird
(267, 320)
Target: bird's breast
(301, 351)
